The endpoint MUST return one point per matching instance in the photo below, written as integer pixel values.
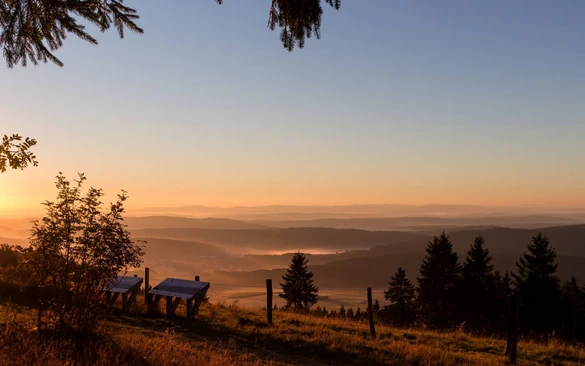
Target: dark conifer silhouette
(342, 312)
(359, 314)
(298, 289)
(437, 284)
(401, 295)
(298, 20)
(30, 31)
(573, 305)
(350, 314)
(478, 291)
(33, 30)
(376, 306)
(537, 285)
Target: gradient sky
(464, 102)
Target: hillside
(377, 271)
(567, 240)
(226, 335)
(287, 239)
(13, 241)
(178, 249)
(163, 222)
(8, 232)
(427, 222)
(379, 210)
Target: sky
(409, 102)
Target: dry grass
(227, 335)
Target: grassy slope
(226, 335)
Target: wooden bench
(124, 285)
(175, 289)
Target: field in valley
(255, 297)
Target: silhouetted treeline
(452, 294)
(470, 293)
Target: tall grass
(227, 335)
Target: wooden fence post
(512, 344)
(146, 284)
(269, 301)
(197, 278)
(371, 313)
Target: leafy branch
(15, 152)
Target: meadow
(225, 334)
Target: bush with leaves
(76, 250)
(16, 282)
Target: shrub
(76, 250)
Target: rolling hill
(377, 271)
(13, 241)
(285, 239)
(8, 232)
(427, 222)
(165, 222)
(374, 267)
(567, 240)
(170, 249)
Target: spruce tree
(298, 289)
(477, 268)
(376, 306)
(350, 314)
(342, 312)
(478, 291)
(506, 285)
(30, 31)
(496, 307)
(359, 314)
(573, 309)
(401, 295)
(538, 286)
(439, 276)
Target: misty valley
(346, 255)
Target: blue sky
(400, 101)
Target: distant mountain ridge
(164, 222)
(377, 271)
(285, 239)
(296, 212)
(426, 222)
(284, 212)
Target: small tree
(401, 295)
(376, 307)
(298, 289)
(350, 314)
(77, 249)
(359, 314)
(342, 312)
(15, 152)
